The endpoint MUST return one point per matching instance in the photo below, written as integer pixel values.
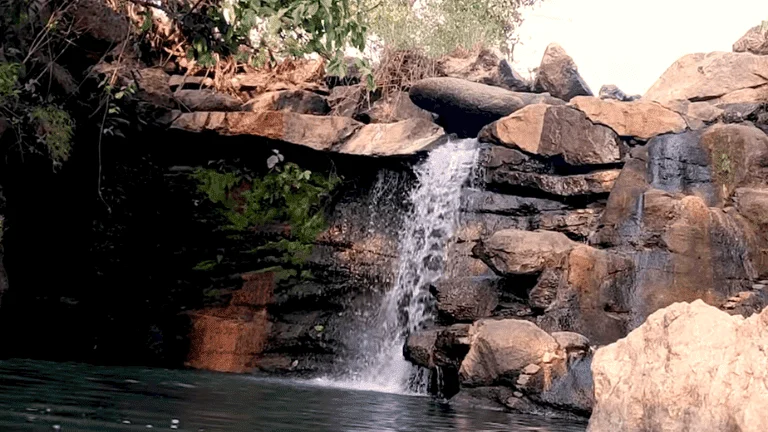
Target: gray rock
(513, 80)
(610, 91)
(559, 75)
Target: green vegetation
(440, 27)
(55, 130)
(284, 209)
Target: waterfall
(423, 240)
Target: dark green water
(43, 396)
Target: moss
(54, 129)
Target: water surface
(44, 396)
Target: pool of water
(45, 396)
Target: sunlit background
(628, 42)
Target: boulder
(753, 205)
(346, 101)
(524, 252)
(335, 134)
(500, 349)
(98, 21)
(610, 91)
(639, 119)
(754, 41)
(717, 77)
(466, 299)
(481, 66)
(391, 139)
(207, 100)
(697, 115)
(689, 367)
(469, 105)
(295, 101)
(420, 347)
(571, 342)
(555, 131)
(392, 108)
(510, 79)
(559, 76)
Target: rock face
(689, 367)
(468, 104)
(207, 100)
(232, 339)
(559, 76)
(555, 131)
(718, 77)
(295, 101)
(640, 119)
(336, 134)
(755, 41)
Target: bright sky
(630, 43)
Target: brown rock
(559, 75)
(466, 299)
(597, 182)
(689, 367)
(571, 342)
(705, 77)
(207, 100)
(420, 347)
(501, 348)
(346, 101)
(753, 205)
(755, 41)
(524, 252)
(555, 131)
(480, 66)
(295, 101)
(319, 133)
(388, 139)
(393, 108)
(696, 114)
(547, 286)
(641, 119)
(739, 156)
(99, 21)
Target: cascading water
(408, 305)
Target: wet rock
(420, 347)
(499, 349)
(686, 358)
(504, 159)
(610, 91)
(718, 77)
(559, 76)
(335, 134)
(480, 201)
(755, 41)
(295, 101)
(555, 131)
(524, 252)
(207, 100)
(512, 80)
(470, 105)
(640, 119)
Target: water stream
(408, 306)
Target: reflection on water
(42, 396)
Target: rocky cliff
(587, 215)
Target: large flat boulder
(717, 77)
(559, 75)
(470, 105)
(639, 119)
(326, 133)
(501, 349)
(524, 252)
(575, 185)
(555, 131)
(689, 367)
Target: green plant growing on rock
(284, 209)
(54, 129)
